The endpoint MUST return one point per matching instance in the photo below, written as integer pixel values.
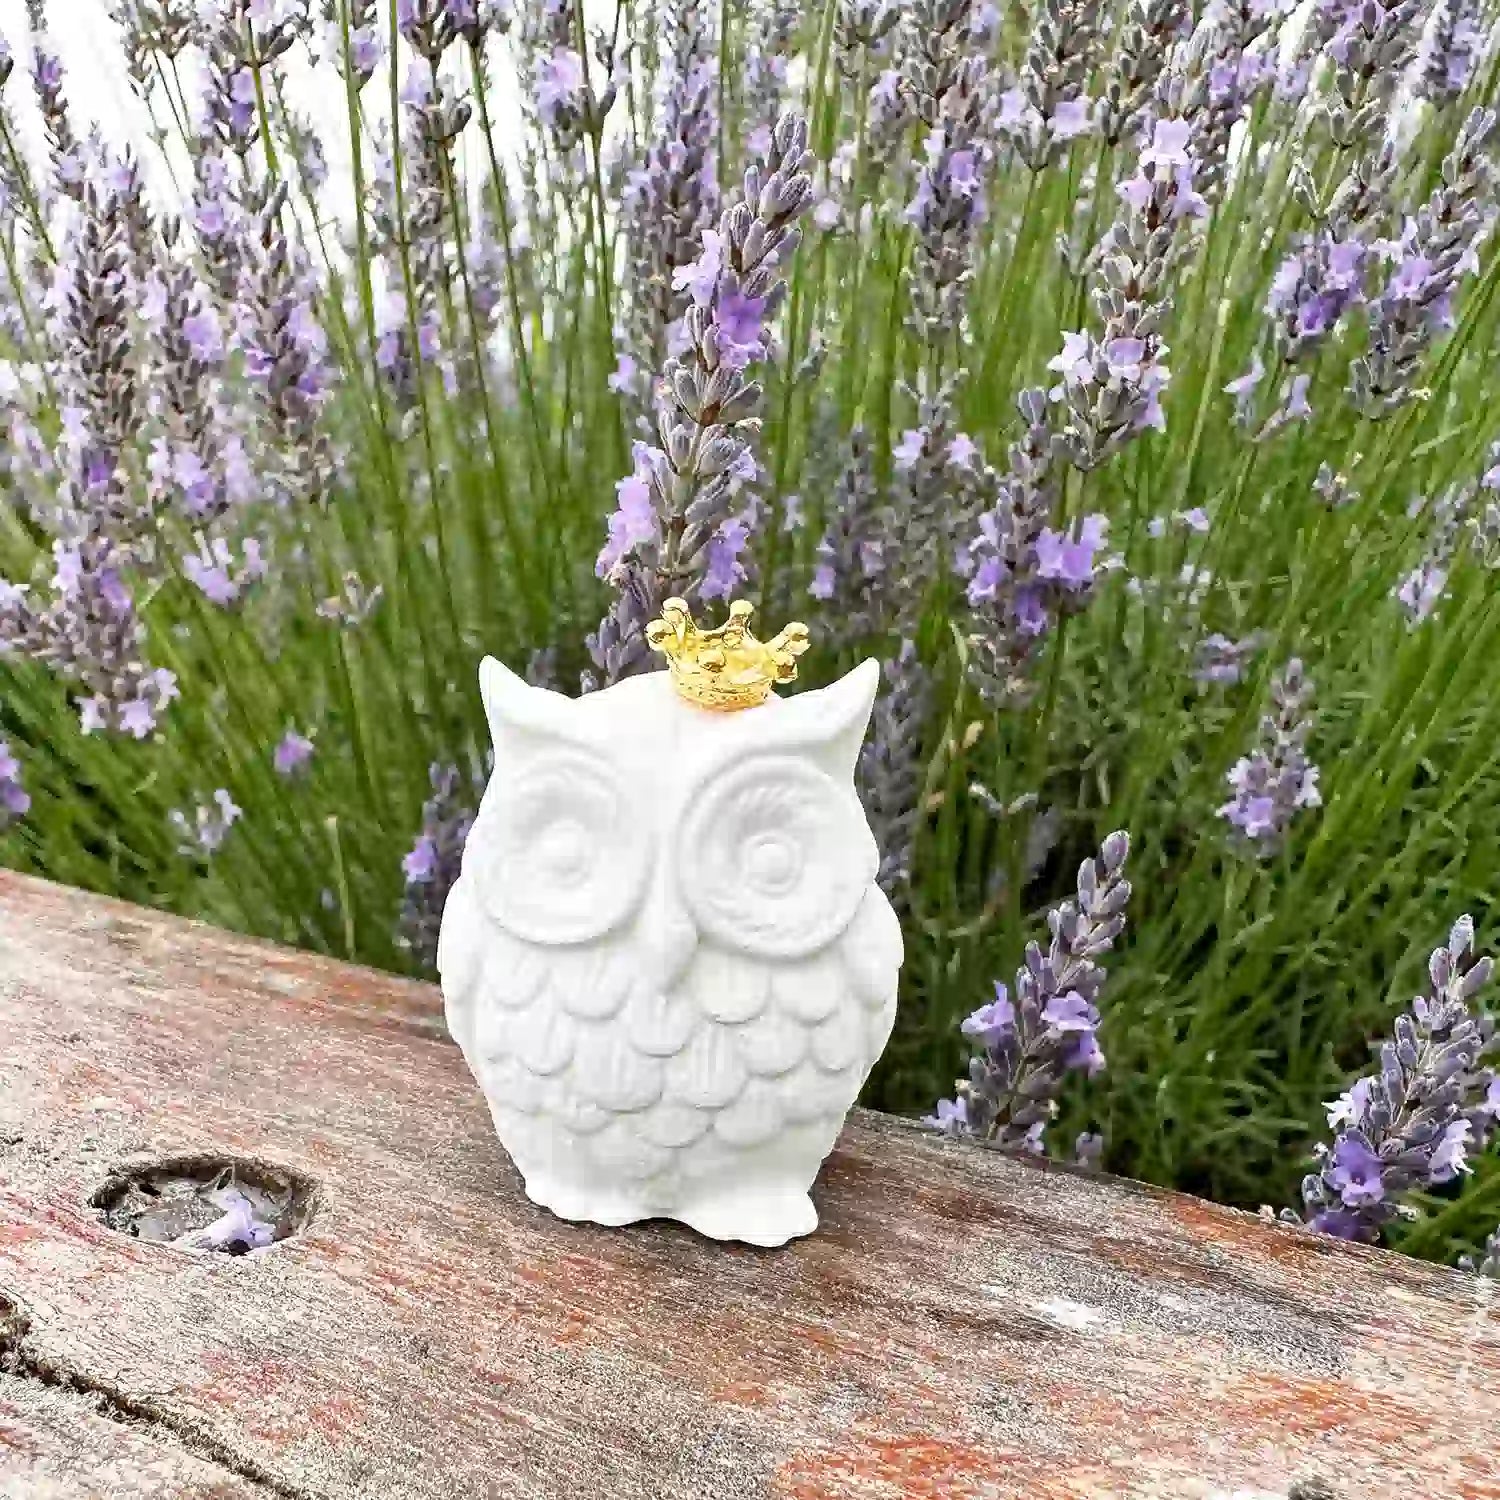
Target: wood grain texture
(58, 1445)
(964, 1325)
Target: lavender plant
(1276, 780)
(1415, 1122)
(1030, 1043)
(1080, 366)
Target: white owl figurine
(666, 959)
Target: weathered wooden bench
(965, 1324)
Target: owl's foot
(754, 1213)
(584, 1206)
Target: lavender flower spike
(890, 767)
(851, 556)
(1029, 1043)
(1414, 1123)
(432, 864)
(1437, 249)
(1276, 779)
(707, 408)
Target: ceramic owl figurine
(666, 959)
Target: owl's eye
(774, 857)
(560, 863)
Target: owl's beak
(670, 940)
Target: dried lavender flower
(1276, 780)
(1029, 1043)
(1415, 1122)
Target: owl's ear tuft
(511, 703)
(833, 720)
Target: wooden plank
(965, 1324)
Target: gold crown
(725, 668)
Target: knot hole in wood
(228, 1204)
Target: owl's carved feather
(659, 1089)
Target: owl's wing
(790, 1043)
(871, 952)
(460, 956)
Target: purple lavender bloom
(15, 801)
(1420, 592)
(1070, 119)
(1218, 659)
(1354, 1171)
(433, 862)
(1168, 146)
(421, 860)
(1455, 44)
(624, 374)
(851, 554)
(292, 753)
(951, 1117)
(1436, 250)
(558, 81)
(1030, 1044)
(203, 835)
(366, 48)
(1415, 1122)
(700, 277)
(634, 522)
(1067, 557)
(741, 329)
(992, 1023)
(909, 449)
(725, 569)
(1276, 780)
